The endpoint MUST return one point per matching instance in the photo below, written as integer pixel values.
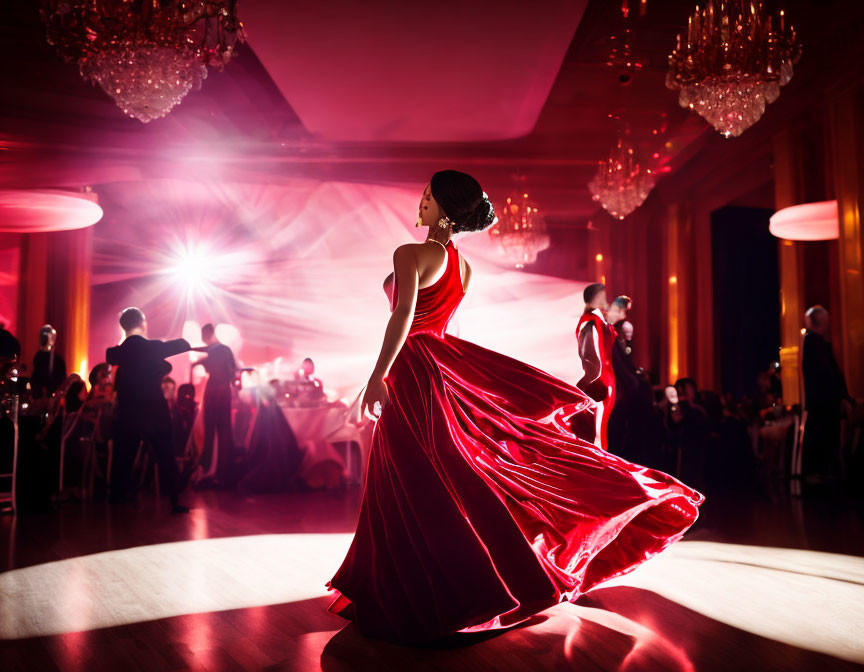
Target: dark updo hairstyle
(462, 200)
(623, 302)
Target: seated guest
(100, 408)
(142, 413)
(10, 348)
(692, 427)
(186, 412)
(75, 396)
(274, 456)
(169, 391)
(275, 390)
(308, 391)
(77, 426)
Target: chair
(351, 431)
(9, 496)
(795, 475)
(70, 422)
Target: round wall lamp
(808, 221)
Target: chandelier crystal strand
(145, 80)
(520, 232)
(147, 56)
(733, 62)
(621, 184)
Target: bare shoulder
(406, 253)
(407, 249)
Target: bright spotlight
(194, 268)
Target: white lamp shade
(808, 221)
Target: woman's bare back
(431, 263)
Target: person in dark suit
(824, 394)
(221, 371)
(49, 367)
(142, 413)
(626, 384)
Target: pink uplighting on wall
(40, 211)
(808, 221)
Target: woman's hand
(376, 391)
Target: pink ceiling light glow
(40, 211)
(808, 221)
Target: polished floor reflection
(238, 585)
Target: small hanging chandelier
(147, 54)
(621, 184)
(732, 63)
(520, 232)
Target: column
(32, 285)
(77, 246)
(788, 190)
(847, 150)
(54, 288)
(677, 278)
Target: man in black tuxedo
(142, 413)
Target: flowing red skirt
(480, 509)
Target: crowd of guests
(131, 413)
(101, 436)
(715, 441)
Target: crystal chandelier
(621, 185)
(733, 63)
(145, 54)
(520, 232)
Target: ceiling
(519, 95)
(402, 72)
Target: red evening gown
(480, 508)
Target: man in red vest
(596, 339)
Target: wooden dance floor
(239, 585)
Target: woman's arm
(406, 276)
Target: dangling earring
(444, 222)
(419, 222)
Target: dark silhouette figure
(10, 348)
(619, 431)
(184, 420)
(221, 371)
(824, 393)
(142, 412)
(49, 368)
(688, 430)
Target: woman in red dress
(480, 507)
